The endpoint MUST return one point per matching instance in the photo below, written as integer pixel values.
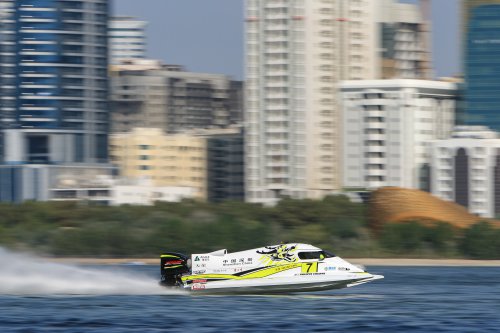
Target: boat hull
(277, 285)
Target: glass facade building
(482, 63)
(53, 81)
(127, 39)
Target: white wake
(22, 274)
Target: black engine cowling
(172, 266)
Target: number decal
(309, 267)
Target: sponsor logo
(173, 262)
(344, 269)
(200, 271)
(330, 268)
(198, 286)
(237, 261)
(197, 258)
(200, 281)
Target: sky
(207, 35)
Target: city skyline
(202, 44)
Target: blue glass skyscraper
(53, 93)
(53, 81)
(482, 63)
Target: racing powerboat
(283, 268)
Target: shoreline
(357, 261)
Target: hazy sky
(207, 35)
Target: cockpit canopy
(311, 255)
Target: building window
(462, 178)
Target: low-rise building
(168, 160)
(147, 195)
(466, 169)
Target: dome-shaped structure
(394, 204)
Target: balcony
(374, 113)
(375, 160)
(375, 172)
(272, 141)
(377, 137)
(375, 149)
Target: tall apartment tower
(53, 86)
(482, 64)
(127, 39)
(296, 53)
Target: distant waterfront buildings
(147, 195)
(53, 94)
(127, 39)
(167, 160)
(387, 125)
(466, 169)
(296, 54)
(115, 192)
(482, 64)
(209, 161)
(225, 164)
(146, 93)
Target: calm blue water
(409, 299)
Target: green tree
(481, 241)
(401, 238)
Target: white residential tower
(387, 126)
(127, 39)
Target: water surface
(409, 299)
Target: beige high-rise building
(297, 51)
(167, 160)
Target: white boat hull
(274, 269)
(281, 284)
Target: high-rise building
(127, 39)
(296, 54)
(53, 88)
(405, 35)
(466, 169)
(387, 125)
(482, 64)
(53, 81)
(146, 93)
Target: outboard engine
(172, 266)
